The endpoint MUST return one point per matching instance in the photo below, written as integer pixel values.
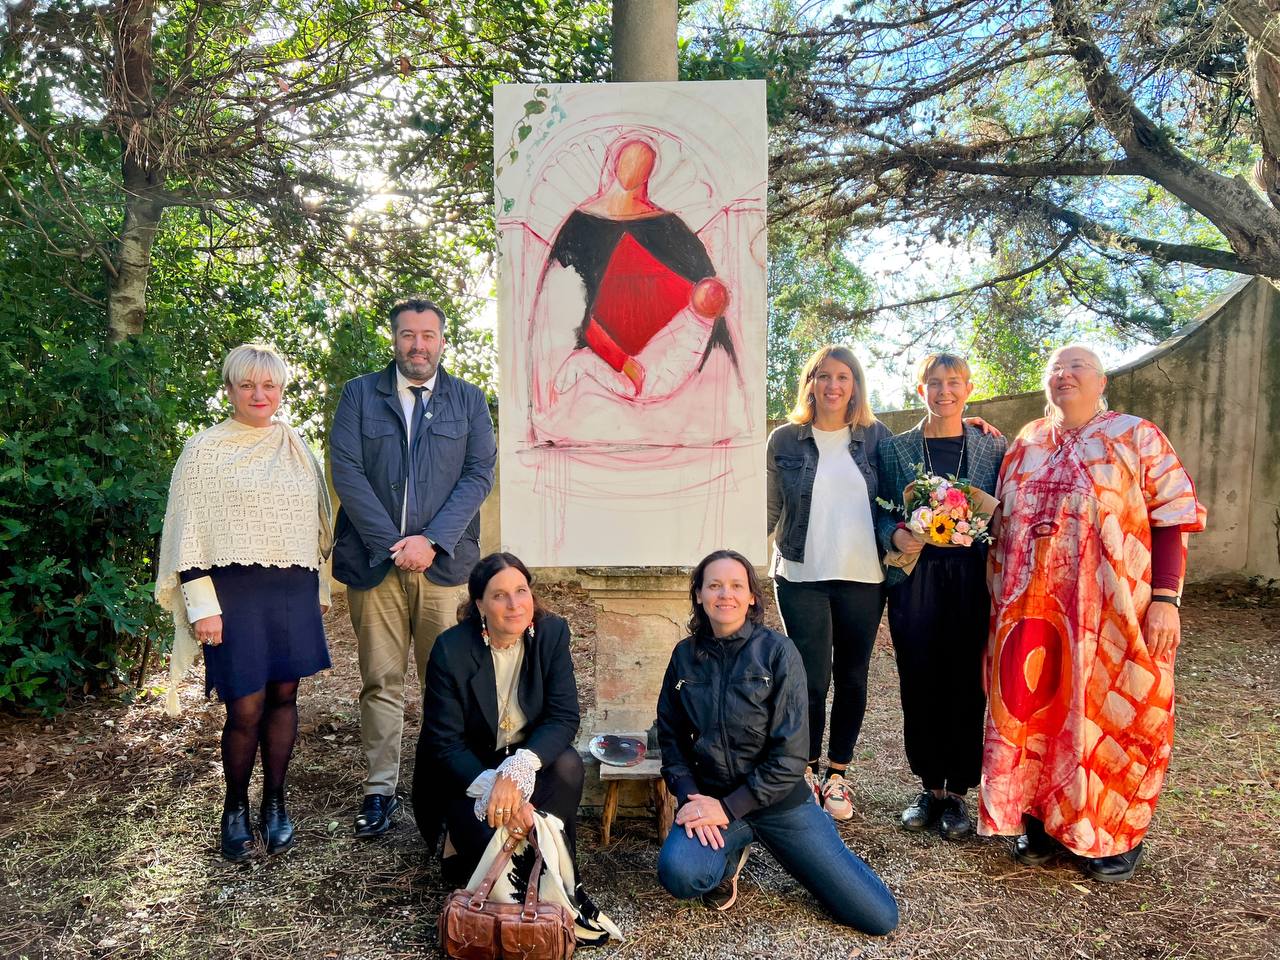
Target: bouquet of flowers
(941, 511)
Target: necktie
(420, 397)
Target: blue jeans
(804, 840)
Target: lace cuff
(521, 768)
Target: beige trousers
(406, 610)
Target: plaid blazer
(898, 456)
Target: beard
(420, 367)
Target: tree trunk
(127, 301)
(644, 40)
(130, 95)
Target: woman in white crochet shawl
(246, 533)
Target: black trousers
(938, 619)
(557, 790)
(833, 624)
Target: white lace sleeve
(521, 768)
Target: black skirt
(271, 629)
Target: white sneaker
(815, 788)
(835, 797)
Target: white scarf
(239, 494)
(557, 884)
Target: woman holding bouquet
(821, 491)
(1086, 577)
(939, 610)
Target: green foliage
(314, 164)
(714, 50)
(86, 443)
(812, 293)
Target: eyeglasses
(1075, 368)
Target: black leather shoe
(276, 827)
(374, 818)
(1115, 869)
(954, 822)
(1035, 847)
(923, 812)
(237, 833)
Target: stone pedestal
(643, 612)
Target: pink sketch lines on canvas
(624, 271)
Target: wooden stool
(664, 805)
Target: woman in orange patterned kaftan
(1086, 575)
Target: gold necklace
(505, 723)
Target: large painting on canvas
(631, 320)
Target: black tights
(268, 718)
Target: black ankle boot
(277, 828)
(237, 832)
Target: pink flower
(956, 499)
(961, 539)
(962, 526)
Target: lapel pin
(427, 414)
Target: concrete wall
(1214, 388)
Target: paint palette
(617, 751)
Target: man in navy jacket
(412, 453)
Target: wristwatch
(1161, 598)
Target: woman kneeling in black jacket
(733, 727)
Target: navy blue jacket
(453, 464)
(733, 721)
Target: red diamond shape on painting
(638, 296)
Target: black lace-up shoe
(375, 816)
(954, 822)
(923, 812)
(1114, 869)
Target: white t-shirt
(840, 543)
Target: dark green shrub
(87, 441)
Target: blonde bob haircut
(1050, 410)
(948, 361)
(859, 413)
(249, 361)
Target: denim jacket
(792, 463)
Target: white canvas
(631, 321)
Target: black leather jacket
(733, 720)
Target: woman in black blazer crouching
(498, 720)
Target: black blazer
(460, 709)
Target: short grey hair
(250, 360)
(1051, 411)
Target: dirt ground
(108, 838)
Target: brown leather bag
(472, 928)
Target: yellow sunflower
(940, 529)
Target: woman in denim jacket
(826, 563)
